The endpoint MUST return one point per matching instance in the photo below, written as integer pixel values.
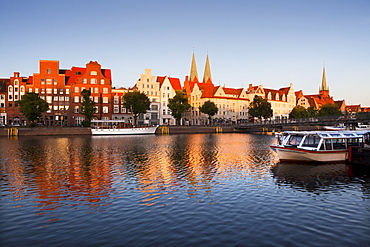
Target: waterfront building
(320, 99)
(3, 96)
(232, 103)
(159, 90)
(282, 100)
(61, 89)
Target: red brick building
(61, 88)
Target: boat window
(335, 135)
(354, 142)
(349, 134)
(311, 141)
(294, 140)
(339, 143)
(326, 145)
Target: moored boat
(321, 146)
(119, 127)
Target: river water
(175, 190)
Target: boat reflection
(320, 177)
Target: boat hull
(293, 154)
(125, 131)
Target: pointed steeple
(207, 72)
(193, 70)
(324, 87)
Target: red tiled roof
(175, 82)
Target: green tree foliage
(178, 105)
(137, 103)
(329, 110)
(260, 108)
(88, 107)
(298, 112)
(209, 108)
(32, 106)
(312, 112)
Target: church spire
(324, 87)
(193, 70)
(207, 72)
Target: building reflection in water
(90, 172)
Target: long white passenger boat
(119, 127)
(321, 146)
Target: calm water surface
(176, 190)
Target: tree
(32, 106)
(329, 109)
(137, 103)
(260, 108)
(88, 107)
(178, 105)
(298, 112)
(209, 108)
(312, 112)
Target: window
(105, 109)
(67, 98)
(102, 81)
(77, 99)
(77, 89)
(105, 90)
(36, 90)
(116, 100)
(16, 89)
(67, 91)
(55, 107)
(93, 73)
(48, 90)
(123, 109)
(61, 91)
(22, 89)
(96, 90)
(147, 80)
(61, 98)
(49, 99)
(55, 82)
(10, 89)
(116, 109)
(93, 81)
(30, 89)
(84, 81)
(16, 82)
(105, 99)
(49, 81)
(48, 71)
(76, 109)
(42, 90)
(55, 98)
(15, 97)
(96, 99)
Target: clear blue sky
(268, 42)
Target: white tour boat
(119, 127)
(321, 146)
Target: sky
(266, 42)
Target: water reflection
(320, 178)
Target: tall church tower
(324, 89)
(193, 70)
(207, 77)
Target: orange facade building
(61, 88)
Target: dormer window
(93, 73)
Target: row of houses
(61, 88)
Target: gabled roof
(175, 82)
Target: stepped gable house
(61, 88)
